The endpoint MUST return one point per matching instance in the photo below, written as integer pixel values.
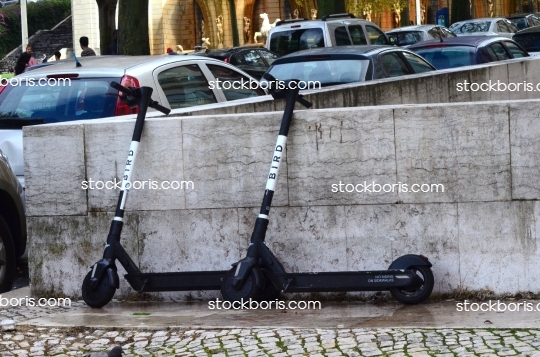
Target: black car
(468, 50)
(346, 64)
(529, 39)
(254, 60)
(523, 21)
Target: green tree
(328, 7)
(107, 23)
(133, 36)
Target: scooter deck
(377, 280)
(180, 281)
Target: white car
(497, 26)
(178, 81)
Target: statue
(265, 28)
(367, 12)
(219, 25)
(314, 14)
(422, 14)
(205, 43)
(296, 14)
(397, 13)
(490, 8)
(202, 29)
(180, 48)
(247, 29)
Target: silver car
(64, 92)
(409, 35)
(497, 26)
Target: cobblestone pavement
(27, 340)
(42, 341)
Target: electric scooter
(259, 276)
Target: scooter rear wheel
(422, 293)
(249, 290)
(100, 296)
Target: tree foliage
(107, 23)
(376, 6)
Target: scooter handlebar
(122, 89)
(157, 106)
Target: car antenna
(77, 63)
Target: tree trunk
(133, 36)
(107, 23)
(234, 23)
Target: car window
(435, 33)
(447, 32)
(515, 51)
(520, 22)
(325, 72)
(58, 101)
(393, 65)
(376, 36)
(501, 27)
(285, 42)
(529, 41)
(253, 59)
(448, 56)
(492, 56)
(357, 35)
(230, 82)
(403, 38)
(511, 27)
(268, 56)
(238, 59)
(342, 37)
(185, 86)
(470, 27)
(500, 52)
(418, 64)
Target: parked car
(523, 21)
(254, 60)
(338, 65)
(467, 51)
(8, 2)
(497, 26)
(12, 224)
(333, 30)
(409, 35)
(529, 39)
(178, 82)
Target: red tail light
(226, 60)
(121, 107)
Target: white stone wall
(85, 23)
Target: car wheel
(7, 257)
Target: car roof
(105, 66)
(534, 29)
(228, 51)
(360, 50)
(412, 28)
(461, 41)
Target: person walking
(24, 59)
(87, 51)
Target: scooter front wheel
(249, 290)
(101, 295)
(416, 296)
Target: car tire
(7, 257)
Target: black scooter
(259, 276)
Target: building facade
(187, 22)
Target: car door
(376, 36)
(503, 29)
(514, 50)
(185, 85)
(232, 84)
(393, 64)
(417, 63)
(497, 52)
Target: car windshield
(404, 38)
(529, 41)
(285, 42)
(325, 72)
(470, 27)
(58, 100)
(519, 22)
(442, 57)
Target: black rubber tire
(422, 293)
(270, 292)
(99, 297)
(250, 290)
(8, 259)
